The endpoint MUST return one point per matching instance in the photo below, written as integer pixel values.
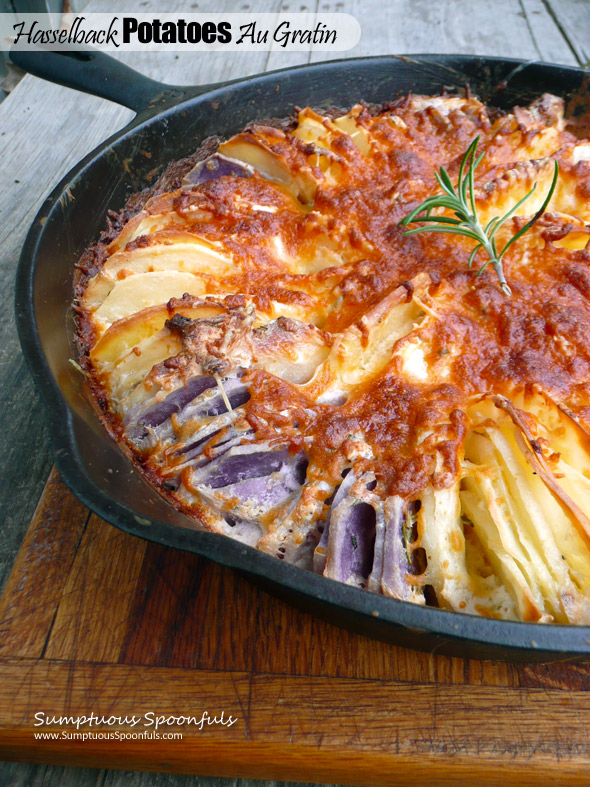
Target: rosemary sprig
(461, 201)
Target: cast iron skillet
(170, 124)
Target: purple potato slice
(232, 438)
(321, 551)
(251, 461)
(215, 167)
(259, 494)
(302, 555)
(396, 560)
(212, 402)
(351, 538)
(245, 482)
(186, 403)
(374, 581)
(196, 459)
(157, 413)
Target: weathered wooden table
(44, 130)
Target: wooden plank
(28, 604)
(548, 38)
(191, 605)
(93, 612)
(302, 728)
(256, 762)
(573, 19)
(504, 28)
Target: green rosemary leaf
(490, 224)
(482, 269)
(442, 228)
(537, 215)
(471, 174)
(471, 147)
(427, 205)
(494, 249)
(473, 253)
(511, 212)
(441, 219)
(445, 182)
(440, 202)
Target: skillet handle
(99, 74)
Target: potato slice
(145, 223)
(533, 451)
(575, 240)
(195, 258)
(134, 367)
(290, 349)
(315, 129)
(568, 197)
(129, 332)
(546, 142)
(478, 499)
(532, 537)
(142, 290)
(365, 348)
(516, 552)
(500, 194)
(456, 574)
(358, 134)
(311, 127)
(524, 142)
(559, 429)
(322, 133)
(271, 166)
(440, 534)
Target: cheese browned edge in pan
(288, 368)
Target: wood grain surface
(66, 615)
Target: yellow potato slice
(532, 538)
(546, 142)
(138, 363)
(317, 129)
(357, 133)
(568, 199)
(129, 332)
(292, 354)
(137, 292)
(270, 165)
(322, 132)
(194, 258)
(143, 224)
(365, 348)
(501, 194)
(310, 126)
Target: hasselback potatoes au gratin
(290, 368)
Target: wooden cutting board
(96, 621)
